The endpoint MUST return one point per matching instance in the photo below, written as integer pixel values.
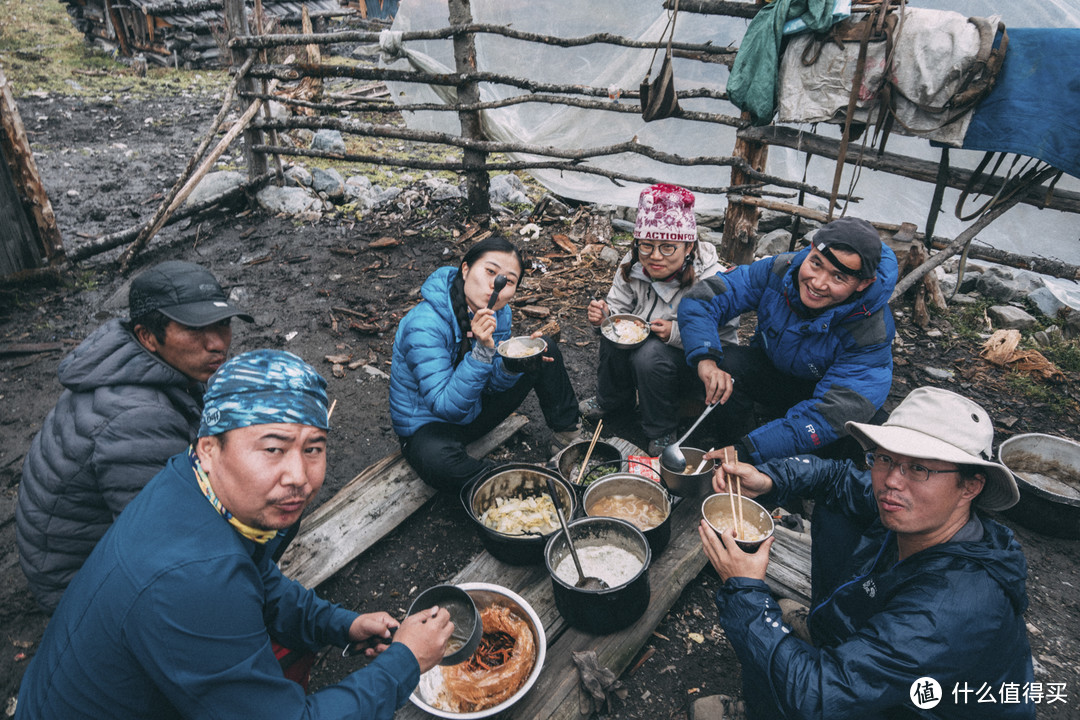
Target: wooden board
(367, 508)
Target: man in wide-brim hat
(917, 598)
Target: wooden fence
(748, 192)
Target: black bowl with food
(604, 460)
(468, 629)
(642, 502)
(523, 351)
(617, 553)
(625, 330)
(513, 511)
(721, 511)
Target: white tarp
(886, 198)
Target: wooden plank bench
(555, 696)
(367, 508)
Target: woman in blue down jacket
(448, 385)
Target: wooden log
(740, 221)
(16, 146)
(367, 508)
(468, 91)
(923, 170)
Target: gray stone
(776, 242)
(609, 256)
(288, 200)
(934, 333)
(386, 196)
(962, 299)
(1055, 334)
(328, 181)
(215, 184)
(328, 141)
(717, 707)
(1005, 284)
(939, 373)
(1007, 317)
(970, 282)
(946, 282)
(1055, 296)
(298, 176)
(1041, 338)
(507, 188)
(358, 181)
(442, 190)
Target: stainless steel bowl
(608, 332)
(463, 613)
(535, 346)
(1047, 472)
(689, 484)
(484, 595)
(716, 510)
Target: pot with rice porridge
(616, 552)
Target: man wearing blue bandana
(822, 351)
(172, 614)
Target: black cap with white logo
(184, 292)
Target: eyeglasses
(646, 249)
(913, 471)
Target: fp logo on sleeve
(925, 693)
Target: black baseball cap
(184, 292)
(854, 235)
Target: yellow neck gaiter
(255, 535)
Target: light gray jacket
(652, 300)
(123, 414)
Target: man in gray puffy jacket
(132, 399)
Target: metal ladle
(497, 287)
(672, 458)
(584, 582)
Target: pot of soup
(614, 551)
(638, 500)
(513, 511)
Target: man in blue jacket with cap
(918, 600)
(822, 351)
(171, 615)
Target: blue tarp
(1034, 109)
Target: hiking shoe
(568, 436)
(657, 445)
(591, 409)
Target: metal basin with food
(464, 615)
(757, 523)
(1047, 471)
(638, 500)
(605, 459)
(617, 553)
(624, 330)
(433, 693)
(525, 349)
(690, 483)
(516, 483)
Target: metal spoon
(672, 458)
(583, 582)
(500, 283)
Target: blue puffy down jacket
(425, 385)
(846, 350)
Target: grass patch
(42, 52)
(1066, 355)
(1024, 385)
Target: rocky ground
(337, 286)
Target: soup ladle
(584, 582)
(672, 457)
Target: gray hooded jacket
(123, 413)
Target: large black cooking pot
(600, 611)
(628, 483)
(515, 480)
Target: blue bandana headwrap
(263, 387)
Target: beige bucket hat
(938, 424)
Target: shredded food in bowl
(520, 516)
(515, 348)
(626, 331)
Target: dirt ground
(103, 162)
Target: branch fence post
(476, 176)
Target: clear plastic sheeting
(883, 197)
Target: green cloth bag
(754, 74)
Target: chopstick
(331, 410)
(738, 489)
(731, 498)
(703, 461)
(588, 454)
